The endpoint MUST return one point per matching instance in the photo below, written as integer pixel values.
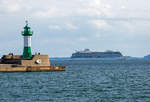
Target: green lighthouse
(27, 33)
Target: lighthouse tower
(27, 53)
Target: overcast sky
(62, 26)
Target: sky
(62, 26)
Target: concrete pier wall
(37, 63)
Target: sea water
(83, 81)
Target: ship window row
(97, 55)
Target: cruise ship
(86, 53)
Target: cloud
(83, 39)
(133, 27)
(71, 8)
(55, 40)
(54, 27)
(48, 13)
(123, 7)
(97, 35)
(66, 26)
(65, 8)
(71, 26)
(100, 24)
(10, 6)
(79, 20)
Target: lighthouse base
(38, 63)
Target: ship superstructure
(90, 54)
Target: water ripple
(83, 81)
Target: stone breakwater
(38, 63)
